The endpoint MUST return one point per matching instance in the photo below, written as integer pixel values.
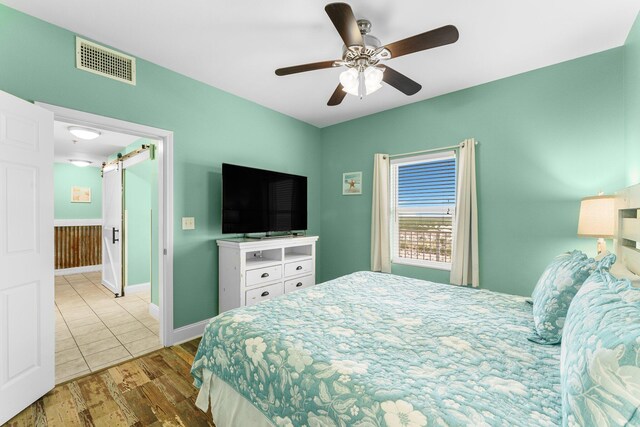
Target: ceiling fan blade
(304, 67)
(337, 96)
(434, 38)
(401, 82)
(345, 22)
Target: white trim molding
(76, 222)
(78, 270)
(154, 311)
(164, 154)
(137, 288)
(188, 332)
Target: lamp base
(602, 246)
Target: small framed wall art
(80, 194)
(352, 183)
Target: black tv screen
(256, 200)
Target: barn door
(112, 231)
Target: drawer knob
(264, 294)
(299, 267)
(298, 284)
(264, 275)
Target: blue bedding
(372, 349)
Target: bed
(373, 349)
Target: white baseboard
(137, 288)
(188, 332)
(78, 270)
(154, 311)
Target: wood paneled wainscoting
(77, 246)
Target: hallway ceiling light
(80, 163)
(84, 133)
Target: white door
(27, 321)
(112, 228)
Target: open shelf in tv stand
(252, 270)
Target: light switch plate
(188, 223)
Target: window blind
(427, 184)
(423, 190)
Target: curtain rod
(451, 147)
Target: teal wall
(65, 176)
(632, 104)
(141, 206)
(547, 138)
(37, 62)
(138, 214)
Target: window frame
(393, 214)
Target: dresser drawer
(263, 293)
(263, 275)
(298, 268)
(297, 284)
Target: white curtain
(380, 248)
(464, 256)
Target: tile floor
(95, 330)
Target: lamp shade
(597, 217)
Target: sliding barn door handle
(113, 235)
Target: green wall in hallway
(65, 176)
(547, 138)
(141, 206)
(138, 214)
(632, 104)
(37, 62)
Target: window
(423, 192)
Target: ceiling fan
(362, 54)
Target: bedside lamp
(597, 219)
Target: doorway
(115, 309)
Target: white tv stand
(253, 270)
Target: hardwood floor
(153, 390)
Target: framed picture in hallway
(352, 183)
(80, 194)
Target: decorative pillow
(556, 288)
(600, 356)
(619, 271)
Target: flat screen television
(256, 200)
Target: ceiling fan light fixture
(350, 81)
(84, 133)
(80, 163)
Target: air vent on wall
(104, 61)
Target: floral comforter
(372, 349)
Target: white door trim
(164, 153)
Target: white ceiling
(67, 147)
(237, 45)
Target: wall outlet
(188, 223)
